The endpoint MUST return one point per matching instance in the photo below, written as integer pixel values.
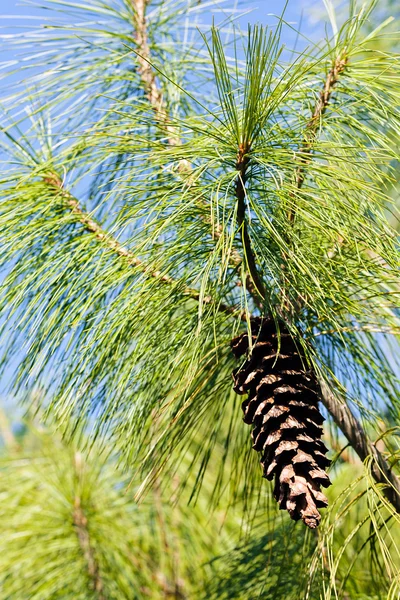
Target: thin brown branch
(112, 244)
(254, 283)
(306, 148)
(81, 526)
(313, 125)
(147, 73)
(364, 448)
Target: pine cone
(282, 406)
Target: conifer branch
(93, 227)
(147, 74)
(340, 412)
(314, 123)
(254, 283)
(81, 526)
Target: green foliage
(343, 561)
(122, 346)
(70, 528)
(124, 270)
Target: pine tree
(170, 192)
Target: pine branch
(93, 227)
(339, 411)
(254, 283)
(146, 72)
(359, 441)
(310, 135)
(81, 525)
(313, 125)
(90, 224)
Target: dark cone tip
(311, 522)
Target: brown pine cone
(282, 406)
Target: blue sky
(14, 13)
(261, 7)
(307, 15)
(19, 15)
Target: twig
(91, 225)
(147, 74)
(81, 525)
(306, 148)
(359, 441)
(310, 135)
(254, 283)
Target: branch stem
(254, 283)
(147, 74)
(314, 124)
(81, 526)
(112, 244)
(358, 439)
